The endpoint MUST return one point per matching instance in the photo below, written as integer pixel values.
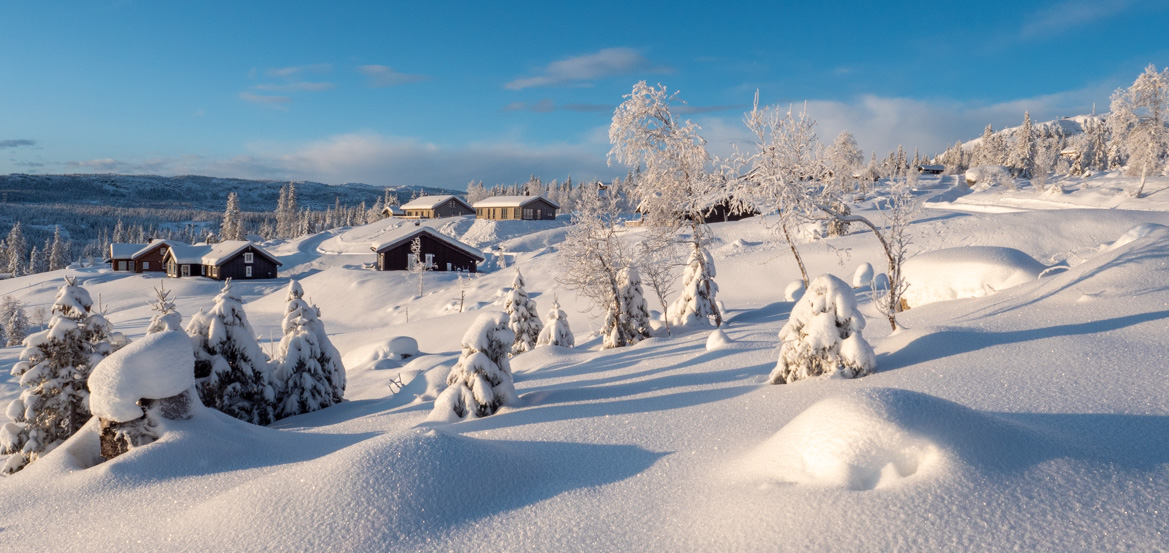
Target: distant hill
(186, 192)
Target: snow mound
(156, 366)
(793, 291)
(985, 176)
(862, 276)
(1132, 235)
(880, 437)
(383, 354)
(717, 340)
(966, 272)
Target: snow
(966, 272)
(862, 276)
(157, 366)
(1029, 419)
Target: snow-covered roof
(430, 202)
(188, 255)
(512, 201)
(407, 232)
(154, 244)
(124, 251)
(221, 252)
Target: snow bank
(966, 272)
(1133, 234)
(717, 340)
(985, 176)
(156, 366)
(382, 354)
(879, 437)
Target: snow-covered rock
(157, 366)
(966, 272)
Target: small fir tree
(231, 371)
(232, 227)
(57, 258)
(523, 318)
(16, 248)
(634, 312)
(480, 382)
(697, 304)
(823, 335)
(310, 375)
(13, 321)
(165, 317)
(556, 331)
(54, 369)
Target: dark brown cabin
(440, 252)
(239, 260)
(122, 256)
(152, 258)
(525, 208)
(436, 207)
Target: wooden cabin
(436, 207)
(151, 259)
(526, 208)
(122, 256)
(234, 259)
(931, 169)
(439, 251)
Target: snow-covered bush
(986, 176)
(480, 382)
(635, 312)
(823, 336)
(165, 317)
(697, 304)
(523, 318)
(556, 330)
(54, 369)
(133, 390)
(231, 371)
(310, 375)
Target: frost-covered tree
(57, 259)
(697, 304)
(231, 371)
(233, 224)
(845, 157)
(1138, 119)
(657, 258)
(480, 382)
(523, 318)
(1022, 158)
(823, 336)
(310, 375)
(13, 321)
(17, 247)
(53, 370)
(634, 315)
(556, 331)
(418, 266)
(1047, 153)
(165, 316)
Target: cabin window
(527, 213)
(121, 265)
(248, 272)
(429, 260)
(203, 270)
(248, 258)
(145, 265)
(448, 266)
(186, 270)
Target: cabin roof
(512, 201)
(154, 244)
(431, 202)
(223, 251)
(124, 251)
(404, 233)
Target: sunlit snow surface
(1031, 418)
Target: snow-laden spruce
(635, 312)
(823, 335)
(697, 304)
(556, 330)
(54, 369)
(523, 317)
(480, 382)
(230, 368)
(13, 321)
(310, 375)
(135, 389)
(165, 317)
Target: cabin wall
(396, 259)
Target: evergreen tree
(697, 304)
(823, 335)
(16, 251)
(165, 317)
(480, 382)
(35, 262)
(1022, 158)
(232, 227)
(556, 331)
(13, 321)
(231, 371)
(523, 318)
(635, 313)
(310, 375)
(54, 369)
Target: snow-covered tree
(17, 247)
(1047, 153)
(1138, 123)
(556, 331)
(233, 224)
(13, 321)
(845, 157)
(310, 375)
(697, 304)
(53, 370)
(634, 313)
(165, 316)
(480, 382)
(657, 258)
(418, 265)
(231, 371)
(523, 318)
(57, 259)
(1022, 158)
(823, 335)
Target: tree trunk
(799, 260)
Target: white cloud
(1069, 14)
(383, 76)
(290, 72)
(577, 70)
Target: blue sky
(440, 93)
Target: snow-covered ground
(1032, 417)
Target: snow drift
(966, 272)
